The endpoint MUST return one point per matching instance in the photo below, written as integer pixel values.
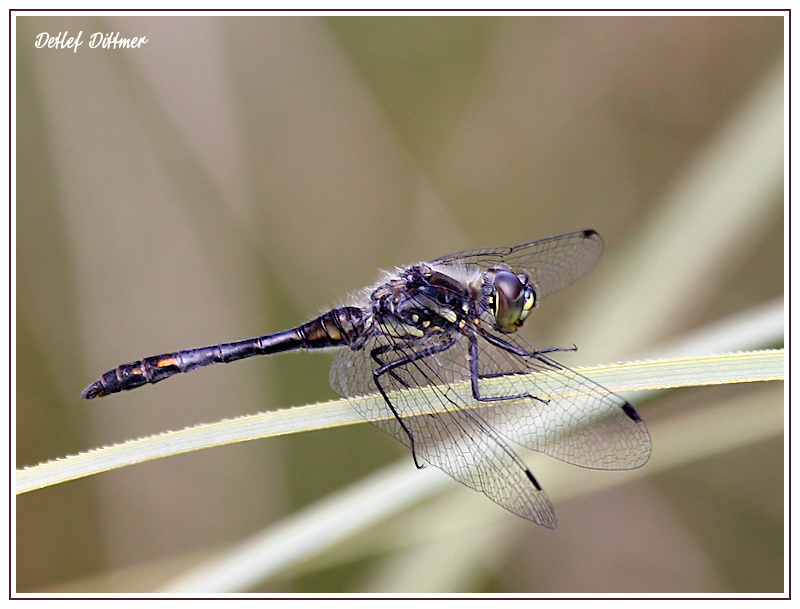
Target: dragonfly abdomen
(334, 328)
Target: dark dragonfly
(454, 319)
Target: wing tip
(589, 234)
(646, 447)
(547, 517)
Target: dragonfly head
(511, 298)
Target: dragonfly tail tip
(92, 391)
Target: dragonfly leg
(388, 368)
(499, 342)
(574, 347)
(378, 351)
(538, 354)
(475, 376)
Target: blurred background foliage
(237, 175)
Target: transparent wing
(569, 416)
(457, 439)
(552, 263)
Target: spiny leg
(499, 342)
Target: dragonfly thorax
(422, 301)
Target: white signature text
(98, 40)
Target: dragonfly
(436, 345)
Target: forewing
(552, 263)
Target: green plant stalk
(640, 376)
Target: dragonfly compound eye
(512, 300)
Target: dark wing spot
(532, 479)
(631, 413)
